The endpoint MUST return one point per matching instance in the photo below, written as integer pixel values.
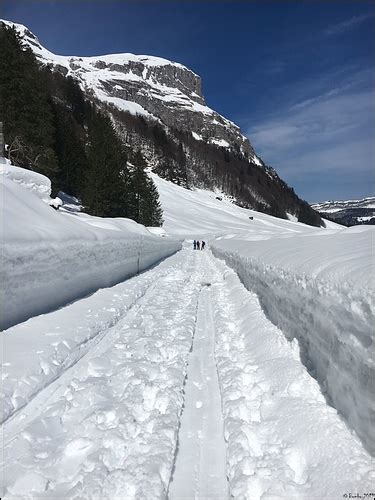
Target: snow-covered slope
(51, 257)
(199, 212)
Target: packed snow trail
(200, 468)
(110, 427)
(107, 426)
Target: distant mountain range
(349, 212)
(157, 106)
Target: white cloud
(311, 124)
(339, 28)
(322, 143)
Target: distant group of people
(199, 245)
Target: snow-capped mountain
(348, 212)
(148, 86)
(157, 106)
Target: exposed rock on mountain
(157, 106)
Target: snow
(318, 289)
(220, 142)
(45, 250)
(197, 136)
(284, 441)
(200, 468)
(173, 381)
(244, 373)
(104, 420)
(197, 213)
(256, 160)
(292, 217)
(314, 283)
(38, 184)
(108, 417)
(123, 105)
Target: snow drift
(50, 257)
(318, 290)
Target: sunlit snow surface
(52, 257)
(93, 392)
(315, 284)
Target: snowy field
(206, 375)
(52, 257)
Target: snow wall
(39, 278)
(50, 258)
(331, 318)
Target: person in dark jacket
(198, 245)
(195, 245)
(203, 245)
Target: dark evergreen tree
(70, 150)
(153, 210)
(25, 106)
(145, 205)
(106, 186)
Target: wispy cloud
(339, 28)
(330, 133)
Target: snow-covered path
(107, 425)
(200, 469)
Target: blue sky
(298, 77)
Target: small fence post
(2, 159)
(139, 254)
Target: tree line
(50, 127)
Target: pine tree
(154, 212)
(69, 146)
(146, 207)
(106, 188)
(25, 106)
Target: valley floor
(177, 386)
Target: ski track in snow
(200, 468)
(108, 427)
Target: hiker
(203, 245)
(195, 244)
(198, 245)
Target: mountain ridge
(348, 212)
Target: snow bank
(38, 184)
(284, 441)
(50, 257)
(318, 290)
